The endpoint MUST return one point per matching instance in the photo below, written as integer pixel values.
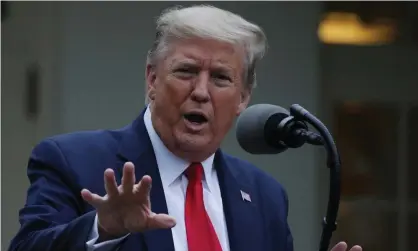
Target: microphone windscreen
(250, 128)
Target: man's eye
(184, 70)
(185, 73)
(222, 77)
(188, 69)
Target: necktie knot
(194, 172)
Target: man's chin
(191, 143)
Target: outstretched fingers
(143, 188)
(93, 199)
(128, 178)
(110, 183)
(341, 246)
(356, 248)
(111, 189)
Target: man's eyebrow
(223, 68)
(184, 63)
(187, 62)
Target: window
(378, 143)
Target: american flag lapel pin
(245, 196)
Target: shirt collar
(170, 166)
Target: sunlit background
(70, 66)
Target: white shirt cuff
(103, 246)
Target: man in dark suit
(199, 77)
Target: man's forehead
(216, 59)
(184, 59)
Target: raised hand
(342, 246)
(126, 208)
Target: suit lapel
(244, 228)
(137, 148)
(241, 212)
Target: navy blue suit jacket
(55, 217)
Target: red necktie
(201, 235)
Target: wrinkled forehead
(206, 53)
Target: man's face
(196, 92)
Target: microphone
(270, 129)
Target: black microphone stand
(334, 164)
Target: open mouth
(196, 118)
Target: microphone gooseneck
(270, 129)
(334, 164)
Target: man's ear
(150, 78)
(245, 100)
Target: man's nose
(201, 88)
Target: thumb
(160, 221)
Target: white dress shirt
(174, 182)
